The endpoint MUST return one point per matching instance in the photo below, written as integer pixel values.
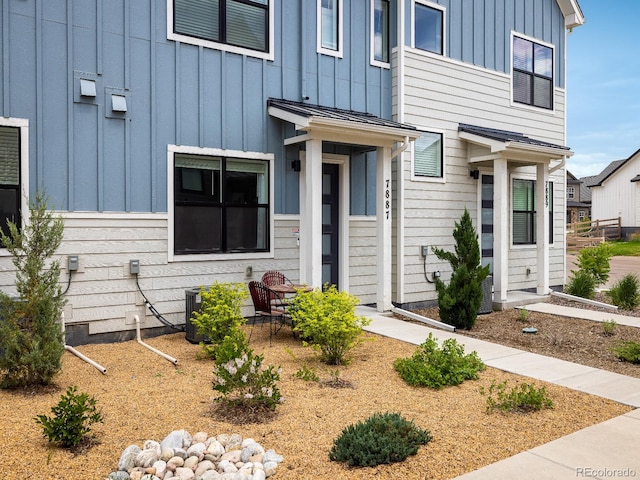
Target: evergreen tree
(460, 300)
(31, 339)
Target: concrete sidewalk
(584, 313)
(605, 450)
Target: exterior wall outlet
(424, 250)
(249, 271)
(134, 267)
(72, 263)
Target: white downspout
(77, 353)
(163, 355)
(400, 163)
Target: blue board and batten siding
(176, 93)
(478, 32)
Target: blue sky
(603, 86)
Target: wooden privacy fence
(592, 232)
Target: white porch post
(311, 215)
(542, 227)
(500, 228)
(383, 228)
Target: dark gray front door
(330, 222)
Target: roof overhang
(511, 146)
(340, 126)
(573, 16)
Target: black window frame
(223, 27)
(440, 12)
(220, 203)
(532, 75)
(12, 190)
(414, 165)
(531, 214)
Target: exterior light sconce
(475, 174)
(295, 165)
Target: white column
(500, 229)
(542, 227)
(383, 228)
(311, 215)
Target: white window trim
(23, 125)
(372, 39)
(553, 80)
(326, 51)
(420, 178)
(531, 246)
(177, 37)
(214, 152)
(444, 26)
(571, 193)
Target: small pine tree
(460, 300)
(30, 334)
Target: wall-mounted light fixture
(295, 165)
(475, 174)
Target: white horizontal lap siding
(363, 259)
(441, 94)
(104, 294)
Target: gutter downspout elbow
(561, 164)
(158, 352)
(401, 148)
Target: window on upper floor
(221, 204)
(428, 27)
(571, 193)
(427, 156)
(380, 32)
(524, 212)
(330, 27)
(532, 73)
(235, 25)
(9, 177)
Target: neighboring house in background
(615, 192)
(578, 200)
(336, 141)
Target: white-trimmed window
(240, 26)
(428, 156)
(571, 193)
(13, 171)
(428, 26)
(524, 211)
(581, 215)
(532, 73)
(221, 202)
(330, 27)
(380, 33)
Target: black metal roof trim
(506, 136)
(311, 110)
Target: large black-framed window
(524, 211)
(532, 73)
(9, 177)
(428, 28)
(241, 23)
(221, 204)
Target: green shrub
(581, 284)
(523, 315)
(30, 333)
(240, 377)
(460, 301)
(380, 439)
(628, 351)
(609, 327)
(327, 321)
(435, 367)
(626, 292)
(220, 313)
(522, 398)
(307, 374)
(72, 418)
(595, 261)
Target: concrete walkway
(584, 313)
(602, 451)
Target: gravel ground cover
(143, 396)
